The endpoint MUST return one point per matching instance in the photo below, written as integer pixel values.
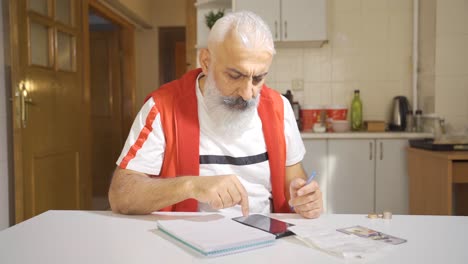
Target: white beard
(230, 114)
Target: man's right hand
(220, 192)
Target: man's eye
(256, 80)
(234, 77)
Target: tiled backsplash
(369, 49)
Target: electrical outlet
(297, 85)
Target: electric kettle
(400, 109)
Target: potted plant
(212, 17)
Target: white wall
(370, 46)
(4, 183)
(451, 64)
(142, 8)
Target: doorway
(110, 45)
(106, 105)
(172, 57)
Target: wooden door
(51, 108)
(106, 108)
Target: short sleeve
(144, 148)
(295, 149)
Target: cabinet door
(391, 176)
(315, 159)
(351, 176)
(303, 20)
(268, 10)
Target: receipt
(336, 243)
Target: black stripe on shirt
(218, 159)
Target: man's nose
(247, 91)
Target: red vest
(176, 103)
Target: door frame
(127, 38)
(128, 84)
(127, 42)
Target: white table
(104, 237)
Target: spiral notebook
(215, 235)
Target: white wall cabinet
(391, 181)
(360, 175)
(351, 176)
(291, 20)
(316, 160)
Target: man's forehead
(243, 59)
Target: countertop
(365, 135)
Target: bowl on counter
(341, 126)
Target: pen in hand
(309, 180)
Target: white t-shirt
(245, 157)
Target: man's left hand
(306, 199)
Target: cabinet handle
(285, 29)
(381, 150)
(370, 151)
(276, 29)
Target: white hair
(250, 29)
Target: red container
(309, 116)
(335, 112)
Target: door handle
(370, 151)
(381, 150)
(285, 29)
(24, 101)
(276, 30)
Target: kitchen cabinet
(360, 175)
(391, 179)
(316, 160)
(351, 176)
(291, 20)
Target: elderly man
(218, 139)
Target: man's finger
(297, 183)
(244, 202)
(309, 188)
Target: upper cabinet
(291, 21)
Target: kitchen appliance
(398, 118)
(295, 106)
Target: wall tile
(401, 33)
(282, 87)
(347, 68)
(374, 6)
(317, 94)
(375, 30)
(451, 96)
(342, 92)
(345, 6)
(400, 6)
(451, 56)
(375, 64)
(346, 37)
(452, 17)
(289, 65)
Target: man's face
(238, 72)
(234, 79)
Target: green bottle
(356, 112)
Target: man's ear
(204, 59)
